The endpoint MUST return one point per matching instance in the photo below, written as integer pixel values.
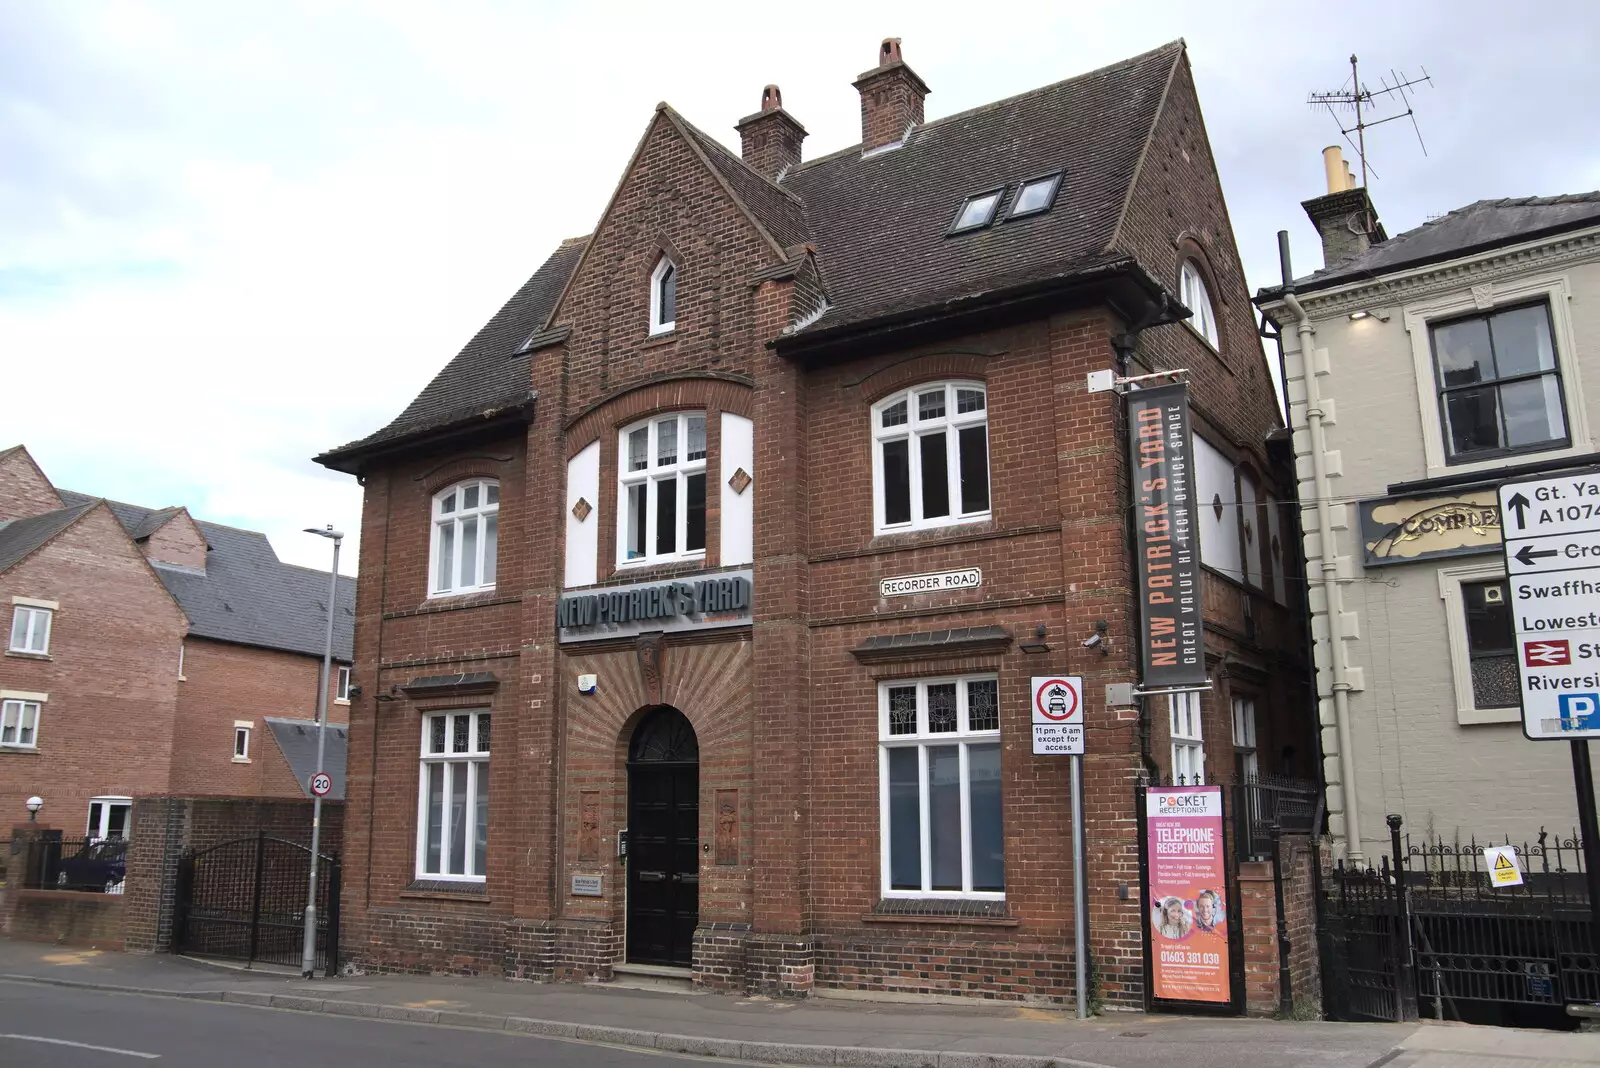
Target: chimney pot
(1344, 216)
(770, 139)
(891, 98)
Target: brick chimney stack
(1344, 216)
(891, 98)
(770, 139)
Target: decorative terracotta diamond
(740, 481)
(581, 509)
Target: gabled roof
(245, 595)
(1479, 226)
(774, 208)
(879, 221)
(487, 376)
(20, 537)
(297, 741)
(878, 224)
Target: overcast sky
(233, 234)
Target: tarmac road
(56, 1027)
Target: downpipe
(1330, 578)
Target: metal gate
(245, 900)
(1432, 937)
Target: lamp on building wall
(34, 803)
(308, 952)
(1364, 313)
(1037, 643)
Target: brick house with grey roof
(667, 524)
(150, 653)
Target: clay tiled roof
(488, 375)
(879, 222)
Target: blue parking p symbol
(1580, 711)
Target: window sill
(681, 563)
(659, 337)
(241, 760)
(1493, 464)
(449, 595)
(941, 920)
(446, 890)
(1470, 717)
(20, 750)
(945, 911)
(20, 655)
(341, 700)
(912, 536)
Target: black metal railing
(93, 865)
(1268, 806)
(1434, 935)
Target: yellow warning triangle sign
(1503, 863)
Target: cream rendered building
(1442, 361)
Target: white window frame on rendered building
(1451, 579)
(1419, 317)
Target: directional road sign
(1551, 530)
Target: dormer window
(1192, 291)
(1035, 195)
(664, 297)
(977, 211)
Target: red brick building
(149, 653)
(746, 522)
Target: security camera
(1092, 640)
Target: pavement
(813, 1031)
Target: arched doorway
(663, 839)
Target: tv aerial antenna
(1355, 97)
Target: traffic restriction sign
(321, 783)
(1057, 715)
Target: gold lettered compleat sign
(1402, 530)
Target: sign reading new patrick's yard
(1166, 540)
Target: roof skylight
(977, 211)
(1036, 195)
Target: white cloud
(239, 234)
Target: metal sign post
(1058, 730)
(1551, 529)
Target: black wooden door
(663, 844)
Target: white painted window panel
(583, 538)
(738, 509)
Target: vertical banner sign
(1186, 894)
(1166, 539)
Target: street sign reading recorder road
(1551, 532)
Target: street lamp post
(308, 952)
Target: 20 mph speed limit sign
(321, 783)
(1058, 715)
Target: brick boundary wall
(1259, 919)
(164, 827)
